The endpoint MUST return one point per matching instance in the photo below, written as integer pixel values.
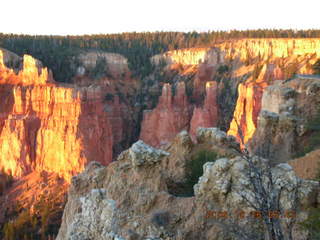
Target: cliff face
(248, 106)
(174, 114)
(31, 72)
(171, 116)
(114, 64)
(192, 56)
(272, 60)
(48, 127)
(206, 116)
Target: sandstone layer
(114, 64)
(171, 116)
(45, 126)
(206, 116)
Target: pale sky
(104, 16)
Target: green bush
(223, 69)
(23, 227)
(109, 97)
(41, 224)
(312, 224)
(313, 127)
(195, 167)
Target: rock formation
(287, 108)
(171, 116)
(278, 59)
(126, 200)
(29, 73)
(307, 166)
(248, 106)
(206, 116)
(44, 126)
(191, 56)
(115, 64)
(51, 131)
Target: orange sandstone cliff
(270, 60)
(248, 106)
(172, 115)
(206, 116)
(49, 127)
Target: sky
(77, 17)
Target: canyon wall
(271, 60)
(115, 64)
(50, 127)
(248, 67)
(189, 56)
(248, 106)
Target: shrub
(109, 97)
(23, 227)
(41, 224)
(312, 223)
(195, 168)
(223, 69)
(161, 218)
(313, 127)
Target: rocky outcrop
(44, 126)
(31, 72)
(142, 154)
(206, 116)
(271, 48)
(191, 56)
(273, 59)
(114, 64)
(130, 201)
(172, 115)
(248, 106)
(287, 109)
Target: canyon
(260, 92)
(252, 65)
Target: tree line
(59, 52)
